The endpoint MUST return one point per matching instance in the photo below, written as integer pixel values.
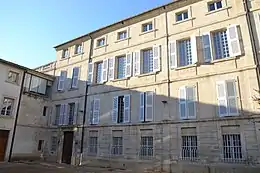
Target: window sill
(6, 116)
(14, 83)
(146, 74)
(185, 67)
(146, 32)
(99, 47)
(182, 21)
(97, 84)
(215, 11)
(78, 54)
(122, 79)
(63, 59)
(223, 59)
(60, 91)
(128, 38)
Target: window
(187, 102)
(38, 85)
(93, 145)
(65, 53)
(54, 143)
(44, 111)
(220, 44)
(7, 107)
(146, 150)
(181, 16)
(40, 145)
(147, 27)
(101, 42)
(117, 146)
(99, 72)
(57, 115)
(121, 109)
(71, 113)
(227, 98)
(78, 48)
(232, 147)
(147, 56)
(13, 77)
(146, 106)
(62, 79)
(75, 77)
(214, 5)
(122, 35)
(121, 65)
(185, 56)
(189, 147)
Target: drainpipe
(85, 109)
(16, 117)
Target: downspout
(16, 117)
(85, 109)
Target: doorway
(67, 147)
(3, 143)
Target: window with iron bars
(93, 145)
(232, 149)
(146, 149)
(117, 147)
(189, 147)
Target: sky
(29, 29)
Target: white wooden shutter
(191, 101)
(104, 70)
(75, 77)
(111, 68)
(90, 73)
(206, 47)
(128, 66)
(136, 63)
(156, 58)
(96, 111)
(65, 115)
(75, 117)
(233, 41)
(127, 103)
(141, 113)
(173, 54)
(62, 78)
(149, 105)
(221, 98)
(232, 97)
(91, 110)
(182, 103)
(194, 52)
(115, 109)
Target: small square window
(7, 106)
(147, 27)
(101, 42)
(78, 49)
(13, 77)
(122, 35)
(65, 53)
(182, 16)
(214, 5)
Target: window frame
(178, 42)
(78, 49)
(39, 81)
(122, 32)
(100, 41)
(192, 153)
(150, 66)
(146, 27)
(214, 2)
(6, 108)
(71, 114)
(182, 13)
(96, 72)
(93, 146)
(145, 148)
(10, 79)
(117, 66)
(117, 147)
(232, 148)
(213, 49)
(65, 53)
(75, 77)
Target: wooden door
(67, 147)
(3, 143)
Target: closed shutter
(191, 101)
(62, 79)
(75, 77)
(61, 117)
(194, 52)
(136, 63)
(141, 113)
(128, 66)
(115, 110)
(206, 47)
(90, 73)
(233, 41)
(104, 70)
(221, 98)
(182, 103)
(91, 110)
(127, 103)
(75, 117)
(111, 68)
(96, 111)
(156, 58)
(173, 54)
(149, 106)
(232, 97)
(65, 115)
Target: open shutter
(96, 111)
(191, 101)
(233, 41)
(194, 52)
(61, 82)
(182, 103)
(111, 68)
(75, 117)
(149, 106)
(136, 63)
(141, 114)
(90, 73)
(128, 66)
(222, 98)
(206, 47)
(115, 110)
(232, 97)
(61, 117)
(127, 103)
(156, 58)
(91, 107)
(173, 54)
(75, 77)
(65, 115)
(104, 70)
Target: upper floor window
(13, 77)
(99, 72)
(147, 27)
(182, 16)
(62, 79)
(101, 42)
(146, 106)
(184, 51)
(38, 85)
(121, 109)
(94, 112)
(220, 43)
(78, 49)
(122, 35)
(7, 106)
(65, 53)
(187, 102)
(75, 77)
(121, 65)
(214, 5)
(147, 60)
(71, 113)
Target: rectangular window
(7, 106)
(38, 85)
(147, 56)
(57, 115)
(99, 66)
(120, 118)
(232, 147)
(71, 113)
(121, 109)
(147, 27)
(146, 106)
(13, 77)
(44, 111)
(122, 35)
(220, 44)
(121, 64)
(117, 146)
(93, 145)
(146, 149)
(65, 53)
(189, 147)
(214, 5)
(187, 102)
(101, 42)
(181, 16)
(54, 143)
(40, 145)
(185, 54)
(62, 79)
(78, 48)
(75, 77)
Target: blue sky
(30, 28)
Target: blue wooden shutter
(232, 97)
(115, 109)
(206, 47)
(191, 101)
(96, 111)
(90, 73)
